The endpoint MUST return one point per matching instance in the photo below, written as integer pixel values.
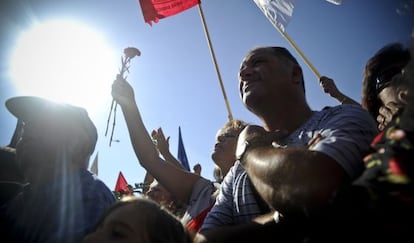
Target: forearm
(171, 159)
(253, 232)
(343, 99)
(142, 144)
(293, 179)
(167, 174)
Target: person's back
(63, 200)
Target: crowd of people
(340, 174)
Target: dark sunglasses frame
(384, 78)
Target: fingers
(382, 122)
(154, 134)
(387, 113)
(326, 83)
(160, 138)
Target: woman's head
(378, 73)
(162, 196)
(138, 220)
(226, 142)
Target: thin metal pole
(215, 62)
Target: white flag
(336, 2)
(94, 167)
(279, 12)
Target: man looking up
(296, 161)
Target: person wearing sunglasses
(393, 93)
(380, 96)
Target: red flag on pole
(154, 10)
(122, 185)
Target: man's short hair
(281, 51)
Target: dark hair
(163, 226)
(391, 54)
(281, 51)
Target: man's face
(262, 76)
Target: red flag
(154, 10)
(122, 185)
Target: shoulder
(92, 186)
(202, 188)
(347, 115)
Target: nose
(245, 72)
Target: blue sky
(174, 79)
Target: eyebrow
(254, 57)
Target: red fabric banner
(122, 185)
(154, 10)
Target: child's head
(138, 220)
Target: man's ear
(297, 74)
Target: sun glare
(64, 61)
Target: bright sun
(64, 61)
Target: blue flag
(182, 156)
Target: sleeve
(347, 131)
(222, 211)
(202, 198)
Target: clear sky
(174, 79)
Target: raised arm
(170, 176)
(329, 87)
(163, 146)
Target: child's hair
(161, 225)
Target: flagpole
(293, 44)
(215, 62)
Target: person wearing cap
(63, 200)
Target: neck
(287, 119)
(226, 167)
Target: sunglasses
(384, 78)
